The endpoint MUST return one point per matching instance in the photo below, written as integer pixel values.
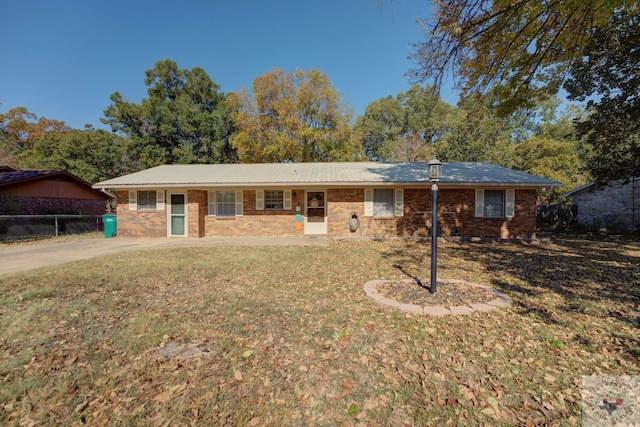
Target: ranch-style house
(341, 200)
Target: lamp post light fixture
(435, 173)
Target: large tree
(382, 125)
(608, 78)
(525, 50)
(293, 117)
(19, 128)
(474, 134)
(404, 128)
(184, 119)
(93, 155)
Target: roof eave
(326, 184)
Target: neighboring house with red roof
(360, 199)
(43, 192)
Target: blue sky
(62, 59)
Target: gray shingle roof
(327, 174)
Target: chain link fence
(29, 227)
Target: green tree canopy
(93, 155)
(293, 117)
(19, 128)
(382, 125)
(474, 134)
(608, 78)
(551, 158)
(184, 119)
(404, 128)
(525, 50)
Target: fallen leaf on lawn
(353, 409)
(346, 387)
(298, 391)
(163, 397)
(247, 354)
(177, 389)
(488, 411)
(237, 375)
(493, 402)
(70, 361)
(549, 378)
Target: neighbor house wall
(61, 187)
(16, 205)
(616, 205)
(58, 194)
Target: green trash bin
(110, 225)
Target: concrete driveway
(17, 257)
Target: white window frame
(508, 202)
(277, 202)
(261, 200)
(213, 203)
(157, 195)
(222, 204)
(396, 207)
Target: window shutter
(259, 200)
(368, 202)
(479, 203)
(286, 195)
(212, 203)
(238, 203)
(133, 200)
(159, 200)
(510, 202)
(399, 206)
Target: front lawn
(296, 342)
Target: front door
(177, 215)
(315, 219)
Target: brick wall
(258, 223)
(196, 212)
(456, 217)
(139, 223)
(615, 205)
(15, 205)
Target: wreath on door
(315, 200)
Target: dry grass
(296, 342)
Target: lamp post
(435, 173)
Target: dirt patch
(183, 350)
(447, 294)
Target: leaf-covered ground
(295, 341)
(418, 292)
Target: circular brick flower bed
(452, 297)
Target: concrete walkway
(17, 257)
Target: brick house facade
(341, 200)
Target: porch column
(196, 211)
